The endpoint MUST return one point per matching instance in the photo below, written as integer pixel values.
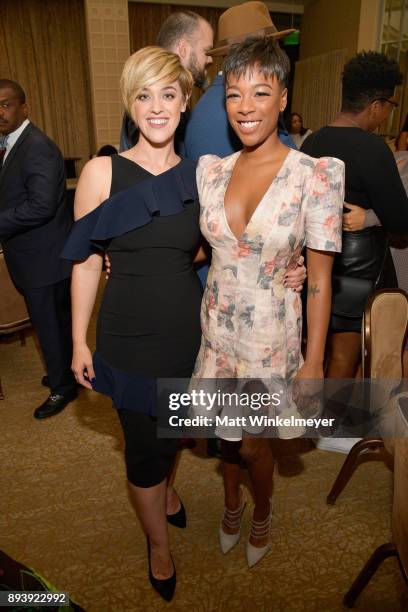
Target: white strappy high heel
(232, 519)
(259, 530)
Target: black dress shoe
(54, 404)
(179, 519)
(165, 588)
(45, 381)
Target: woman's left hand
(294, 278)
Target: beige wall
(328, 25)
(108, 42)
(369, 33)
(318, 99)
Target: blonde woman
(142, 208)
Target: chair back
(384, 332)
(400, 504)
(385, 325)
(13, 311)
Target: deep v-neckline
(258, 206)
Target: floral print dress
(251, 324)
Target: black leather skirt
(365, 255)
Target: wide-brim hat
(239, 22)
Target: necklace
(350, 121)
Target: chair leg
(382, 552)
(349, 465)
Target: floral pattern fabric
(251, 324)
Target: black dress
(371, 181)
(148, 324)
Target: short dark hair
(16, 89)
(182, 24)
(366, 77)
(264, 54)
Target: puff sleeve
(324, 205)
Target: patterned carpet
(64, 511)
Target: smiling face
(156, 111)
(12, 111)
(254, 102)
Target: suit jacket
(34, 218)
(208, 130)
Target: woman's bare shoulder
(93, 185)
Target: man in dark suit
(34, 224)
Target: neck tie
(3, 146)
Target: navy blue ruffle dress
(149, 321)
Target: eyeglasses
(394, 104)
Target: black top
(372, 178)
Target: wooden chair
(13, 312)
(399, 545)
(384, 332)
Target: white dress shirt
(14, 136)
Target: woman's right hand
(82, 365)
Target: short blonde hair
(148, 66)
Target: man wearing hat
(208, 129)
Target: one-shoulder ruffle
(162, 195)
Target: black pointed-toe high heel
(179, 519)
(165, 588)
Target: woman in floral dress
(259, 207)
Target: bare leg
(172, 500)
(231, 473)
(258, 457)
(150, 506)
(344, 354)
